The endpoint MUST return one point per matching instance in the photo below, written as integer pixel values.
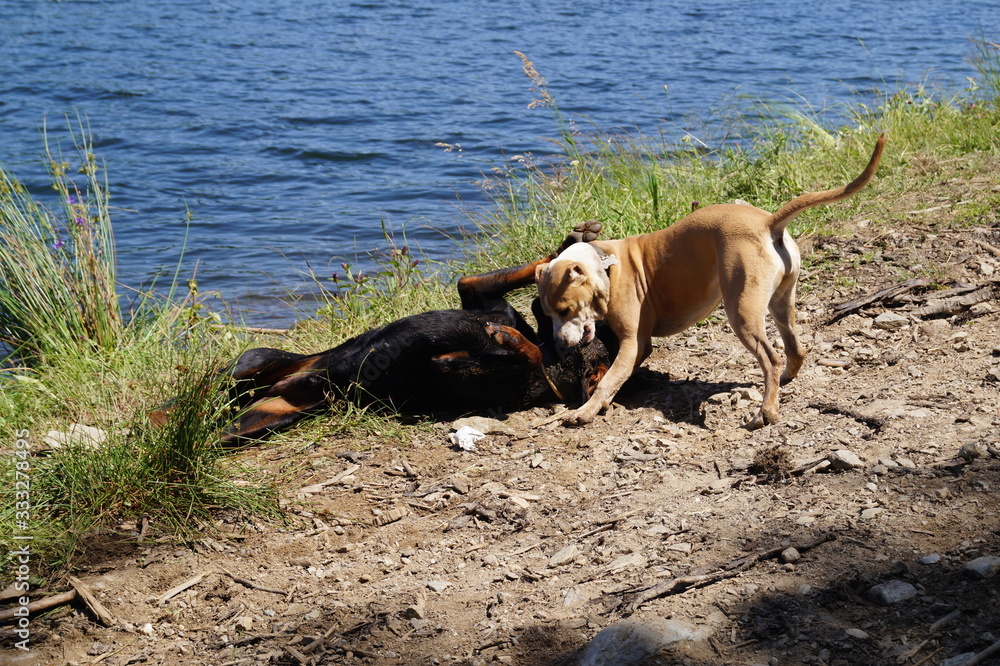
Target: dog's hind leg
(281, 405)
(782, 309)
(746, 316)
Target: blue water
(291, 130)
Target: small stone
(868, 514)
(973, 451)
(986, 566)
(460, 483)
(564, 556)
(933, 558)
(790, 555)
(146, 629)
(572, 597)
(844, 460)
(860, 634)
(892, 592)
(890, 321)
(296, 609)
(414, 612)
(244, 623)
(980, 309)
(438, 586)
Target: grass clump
(72, 356)
(57, 269)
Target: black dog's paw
(582, 233)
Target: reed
(57, 267)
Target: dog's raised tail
(787, 213)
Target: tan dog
(661, 283)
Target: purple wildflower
(80, 221)
(71, 200)
(58, 244)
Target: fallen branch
(36, 607)
(873, 422)
(252, 585)
(952, 306)
(728, 570)
(96, 608)
(847, 307)
(984, 655)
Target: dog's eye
(563, 312)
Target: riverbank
(417, 549)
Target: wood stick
(96, 608)
(252, 585)
(723, 572)
(41, 605)
(174, 591)
(984, 655)
(945, 620)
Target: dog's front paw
(582, 233)
(578, 417)
(762, 419)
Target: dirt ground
(521, 551)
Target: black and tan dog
(484, 356)
(660, 283)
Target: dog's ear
(576, 275)
(540, 271)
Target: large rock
(630, 641)
(986, 566)
(892, 592)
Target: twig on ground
(727, 570)
(174, 591)
(39, 606)
(252, 585)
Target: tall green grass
(73, 357)
(765, 153)
(57, 267)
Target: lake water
(291, 130)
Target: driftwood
(956, 304)
(939, 303)
(731, 569)
(847, 307)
